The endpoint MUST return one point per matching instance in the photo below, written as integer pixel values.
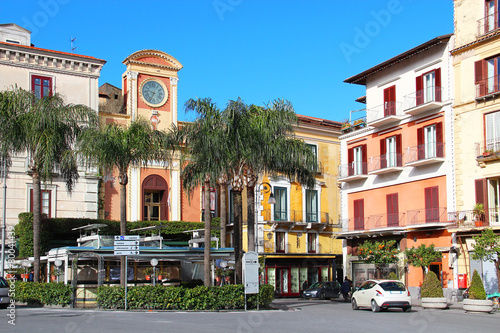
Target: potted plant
(432, 293)
(359, 123)
(346, 126)
(477, 301)
(478, 213)
(148, 271)
(487, 153)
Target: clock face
(154, 93)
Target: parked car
(4, 293)
(322, 290)
(381, 295)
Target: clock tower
(149, 88)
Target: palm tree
(116, 146)
(48, 130)
(207, 153)
(261, 141)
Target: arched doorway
(154, 199)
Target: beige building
(46, 72)
(476, 61)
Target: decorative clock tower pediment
(150, 87)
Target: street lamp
(266, 188)
(153, 263)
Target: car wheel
(322, 296)
(407, 309)
(354, 304)
(375, 307)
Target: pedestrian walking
(346, 288)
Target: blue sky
(259, 50)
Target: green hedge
(43, 293)
(60, 229)
(476, 288)
(181, 298)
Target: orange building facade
(396, 172)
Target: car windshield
(392, 286)
(317, 285)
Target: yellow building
(296, 235)
(476, 61)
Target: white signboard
(130, 237)
(126, 245)
(126, 253)
(251, 272)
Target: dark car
(322, 290)
(4, 293)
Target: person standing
(346, 288)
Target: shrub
(476, 289)
(43, 293)
(392, 276)
(174, 298)
(431, 287)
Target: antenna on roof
(72, 41)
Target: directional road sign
(126, 253)
(126, 243)
(126, 248)
(130, 237)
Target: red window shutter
(390, 101)
(399, 151)
(364, 159)
(439, 140)
(437, 81)
(392, 209)
(420, 90)
(383, 157)
(359, 214)
(431, 204)
(420, 144)
(482, 192)
(479, 78)
(350, 160)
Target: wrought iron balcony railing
(385, 162)
(489, 150)
(296, 216)
(426, 153)
(488, 87)
(423, 100)
(468, 219)
(430, 215)
(488, 24)
(353, 170)
(384, 114)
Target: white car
(381, 294)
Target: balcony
(488, 24)
(353, 171)
(386, 163)
(488, 88)
(296, 216)
(385, 114)
(423, 101)
(377, 222)
(488, 150)
(466, 219)
(425, 154)
(427, 217)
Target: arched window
(154, 198)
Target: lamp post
(265, 187)
(58, 263)
(154, 262)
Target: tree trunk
(223, 214)
(237, 209)
(251, 218)
(123, 179)
(36, 226)
(206, 253)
